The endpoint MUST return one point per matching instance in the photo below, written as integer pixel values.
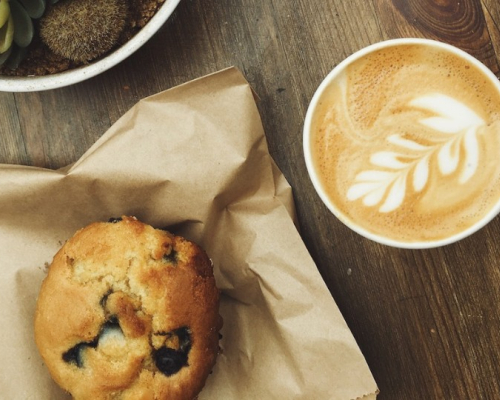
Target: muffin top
(129, 312)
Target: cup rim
(307, 148)
(76, 75)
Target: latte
(405, 142)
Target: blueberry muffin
(129, 312)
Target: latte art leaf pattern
(386, 184)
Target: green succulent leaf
(6, 35)
(18, 54)
(34, 8)
(23, 32)
(4, 12)
(5, 55)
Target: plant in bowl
(46, 44)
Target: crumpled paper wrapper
(193, 159)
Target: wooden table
(428, 321)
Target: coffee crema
(406, 143)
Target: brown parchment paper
(193, 159)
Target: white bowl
(69, 77)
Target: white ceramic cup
(66, 78)
(312, 166)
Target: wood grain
(427, 321)
(460, 23)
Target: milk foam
(407, 143)
(452, 118)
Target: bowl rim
(36, 83)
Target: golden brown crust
(123, 302)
